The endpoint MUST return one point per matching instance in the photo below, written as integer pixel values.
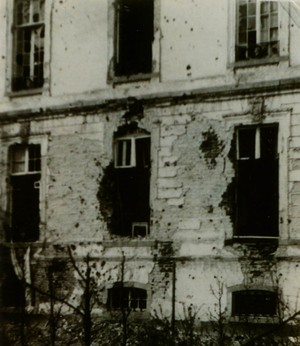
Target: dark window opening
(254, 302)
(28, 56)
(25, 183)
(257, 196)
(134, 36)
(257, 30)
(131, 204)
(127, 298)
(12, 291)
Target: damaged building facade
(160, 139)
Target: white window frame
(257, 144)
(258, 24)
(132, 285)
(26, 162)
(140, 224)
(283, 37)
(132, 159)
(10, 42)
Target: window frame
(283, 118)
(112, 77)
(26, 160)
(253, 162)
(129, 286)
(283, 39)
(258, 29)
(257, 319)
(132, 139)
(10, 42)
(253, 292)
(41, 140)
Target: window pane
(22, 11)
(134, 37)
(124, 152)
(18, 159)
(128, 152)
(274, 20)
(274, 34)
(264, 22)
(264, 36)
(142, 152)
(254, 302)
(243, 37)
(268, 141)
(246, 138)
(251, 9)
(264, 7)
(34, 158)
(243, 10)
(251, 23)
(274, 6)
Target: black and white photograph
(149, 172)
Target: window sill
(254, 319)
(27, 92)
(251, 239)
(141, 77)
(258, 62)
(129, 242)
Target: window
(28, 44)
(133, 37)
(257, 181)
(128, 298)
(25, 183)
(132, 152)
(254, 302)
(132, 171)
(257, 29)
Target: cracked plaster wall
(188, 180)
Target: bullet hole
(192, 29)
(216, 58)
(77, 225)
(73, 247)
(188, 67)
(210, 209)
(180, 206)
(174, 19)
(3, 57)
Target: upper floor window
(127, 298)
(133, 37)
(257, 29)
(257, 180)
(28, 44)
(254, 302)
